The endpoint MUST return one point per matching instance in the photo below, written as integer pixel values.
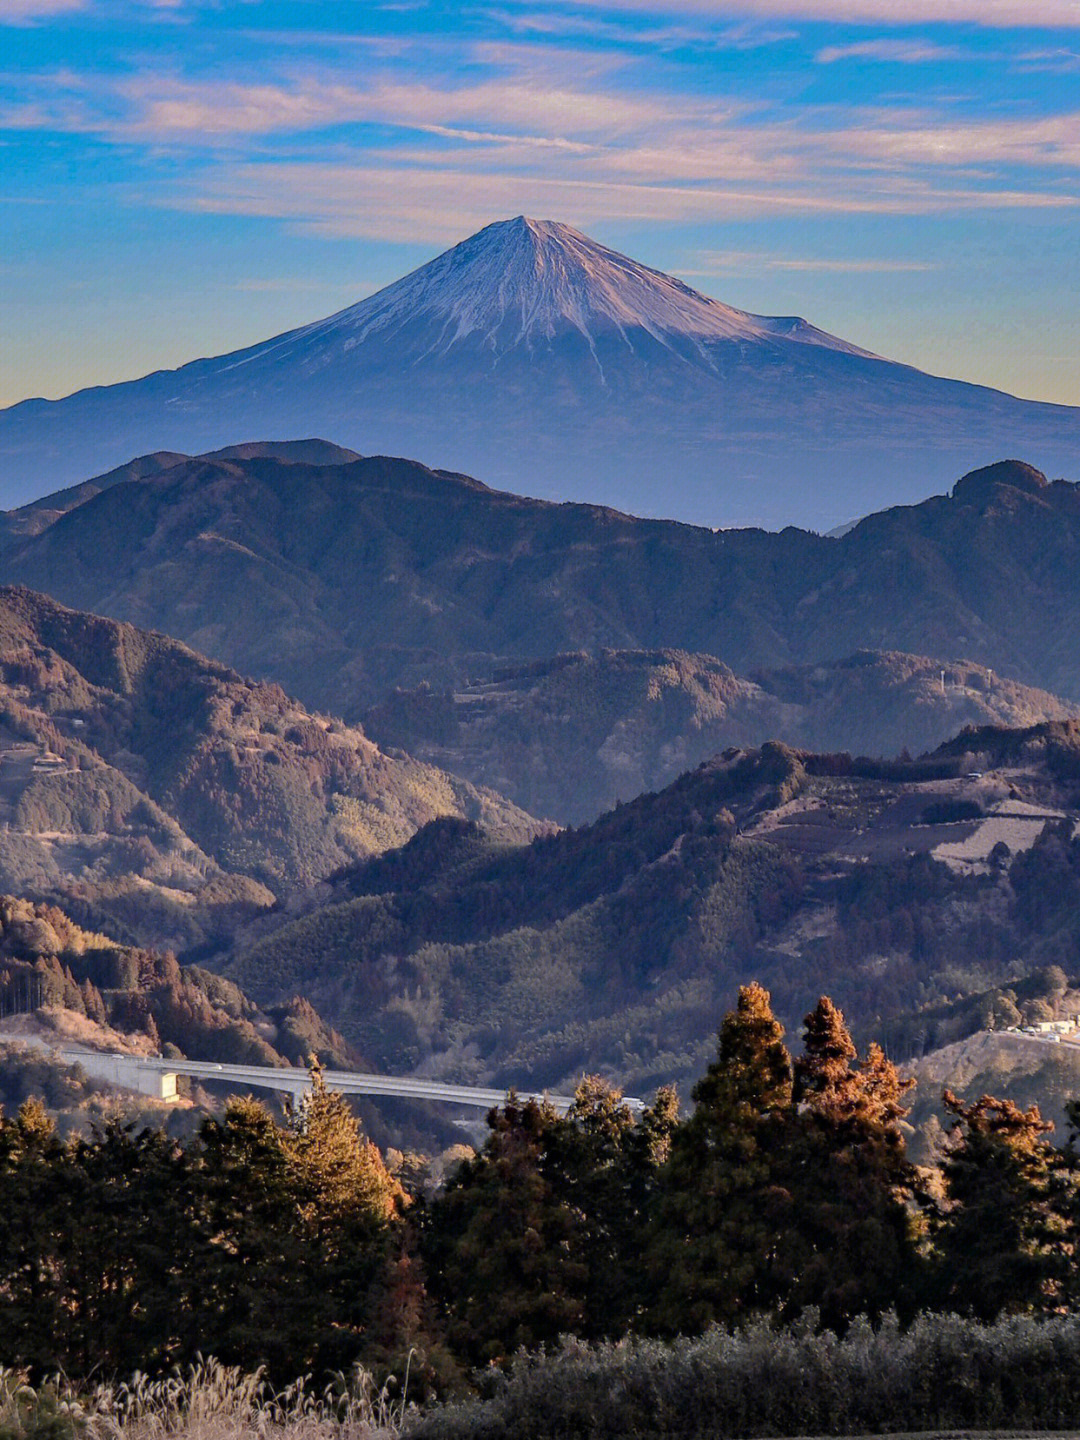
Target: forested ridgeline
(785, 1196)
(571, 735)
(612, 947)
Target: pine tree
(722, 1207)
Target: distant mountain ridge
(38, 515)
(571, 736)
(548, 364)
(344, 581)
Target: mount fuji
(547, 364)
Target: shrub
(942, 1373)
(42, 1413)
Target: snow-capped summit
(540, 361)
(525, 281)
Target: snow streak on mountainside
(542, 362)
(524, 281)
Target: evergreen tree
(303, 1215)
(346, 1187)
(603, 1166)
(500, 1243)
(851, 1242)
(1000, 1235)
(99, 1248)
(722, 1206)
(30, 1317)
(261, 1299)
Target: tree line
(787, 1192)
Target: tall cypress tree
(261, 1299)
(722, 1206)
(501, 1243)
(1000, 1236)
(345, 1186)
(851, 1243)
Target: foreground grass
(207, 1402)
(944, 1378)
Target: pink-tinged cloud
(442, 204)
(897, 52)
(995, 14)
(25, 12)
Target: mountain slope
(570, 736)
(38, 515)
(48, 961)
(343, 581)
(551, 365)
(914, 893)
(165, 797)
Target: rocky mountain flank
(161, 796)
(931, 898)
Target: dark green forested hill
(343, 580)
(570, 736)
(927, 897)
(163, 797)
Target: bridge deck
(155, 1075)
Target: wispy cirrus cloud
(664, 32)
(897, 52)
(524, 110)
(993, 14)
(750, 262)
(1057, 61)
(441, 201)
(26, 12)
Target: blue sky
(182, 178)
